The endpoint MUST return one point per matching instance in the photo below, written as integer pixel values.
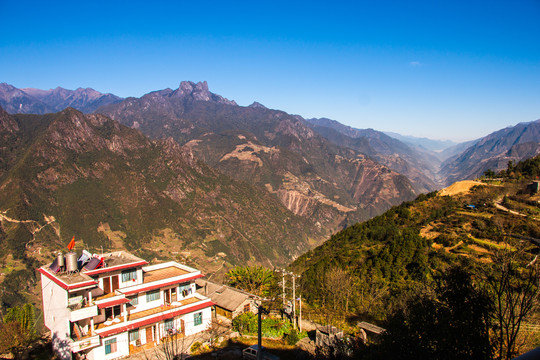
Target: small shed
(327, 335)
(230, 302)
(534, 187)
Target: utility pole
(260, 311)
(294, 300)
(300, 317)
(283, 274)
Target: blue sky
(442, 69)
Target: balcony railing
(83, 313)
(85, 343)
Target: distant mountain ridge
(418, 165)
(36, 101)
(426, 143)
(494, 151)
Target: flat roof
(164, 273)
(68, 281)
(112, 261)
(119, 258)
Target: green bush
(245, 323)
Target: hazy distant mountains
(419, 165)
(35, 101)
(494, 152)
(428, 144)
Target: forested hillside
(375, 269)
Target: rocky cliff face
(276, 151)
(494, 152)
(421, 167)
(111, 186)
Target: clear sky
(442, 69)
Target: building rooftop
(165, 273)
(119, 258)
(68, 279)
(82, 277)
(223, 296)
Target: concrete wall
(56, 316)
(190, 325)
(122, 348)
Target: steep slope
(372, 266)
(420, 166)
(68, 174)
(36, 101)
(274, 150)
(494, 152)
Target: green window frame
(110, 346)
(197, 318)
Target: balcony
(82, 313)
(85, 343)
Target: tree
(513, 286)
(17, 330)
(451, 321)
(340, 285)
(257, 280)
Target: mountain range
(226, 184)
(494, 151)
(68, 173)
(36, 101)
(271, 149)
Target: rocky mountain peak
(257, 105)
(199, 92)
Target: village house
(106, 306)
(229, 302)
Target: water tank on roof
(60, 260)
(71, 262)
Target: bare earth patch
(459, 187)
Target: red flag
(71, 244)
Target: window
(169, 325)
(129, 275)
(197, 318)
(247, 308)
(134, 335)
(152, 296)
(110, 346)
(112, 312)
(185, 290)
(134, 300)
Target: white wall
(56, 315)
(122, 346)
(190, 325)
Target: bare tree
(514, 288)
(172, 347)
(177, 346)
(340, 287)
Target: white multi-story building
(109, 305)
